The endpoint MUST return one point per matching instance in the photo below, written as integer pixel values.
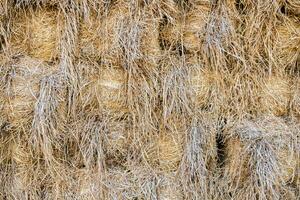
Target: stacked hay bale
(165, 152)
(161, 99)
(35, 32)
(263, 151)
(23, 89)
(276, 95)
(286, 51)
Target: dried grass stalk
(88, 185)
(49, 119)
(293, 6)
(206, 86)
(36, 32)
(107, 38)
(22, 3)
(235, 169)
(137, 182)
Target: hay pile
(160, 99)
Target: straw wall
(138, 100)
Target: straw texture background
(150, 99)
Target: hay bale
(104, 89)
(36, 32)
(165, 153)
(287, 42)
(235, 167)
(194, 28)
(276, 136)
(206, 86)
(171, 33)
(23, 161)
(276, 95)
(116, 142)
(22, 91)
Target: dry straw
(166, 153)
(194, 27)
(121, 34)
(169, 188)
(137, 182)
(276, 95)
(287, 41)
(206, 86)
(22, 90)
(102, 88)
(295, 102)
(36, 33)
(264, 152)
(199, 160)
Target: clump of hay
(22, 90)
(107, 37)
(169, 188)
(49, 119)
(188, 30)
(136, 182)
(287, 42)
(117, 141)
(207, 87)
(276, 95)
(20, 3)
(200, 156)
(194, 27)
(293, 6)
(295, 102)
(175, 96)
(24, 162)
(36, 33)
(169, 9)
(104, 89)
(171, 33)
(235, 168)
(100, 36)
(88, 185)
(265, 153)
(166, 153)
